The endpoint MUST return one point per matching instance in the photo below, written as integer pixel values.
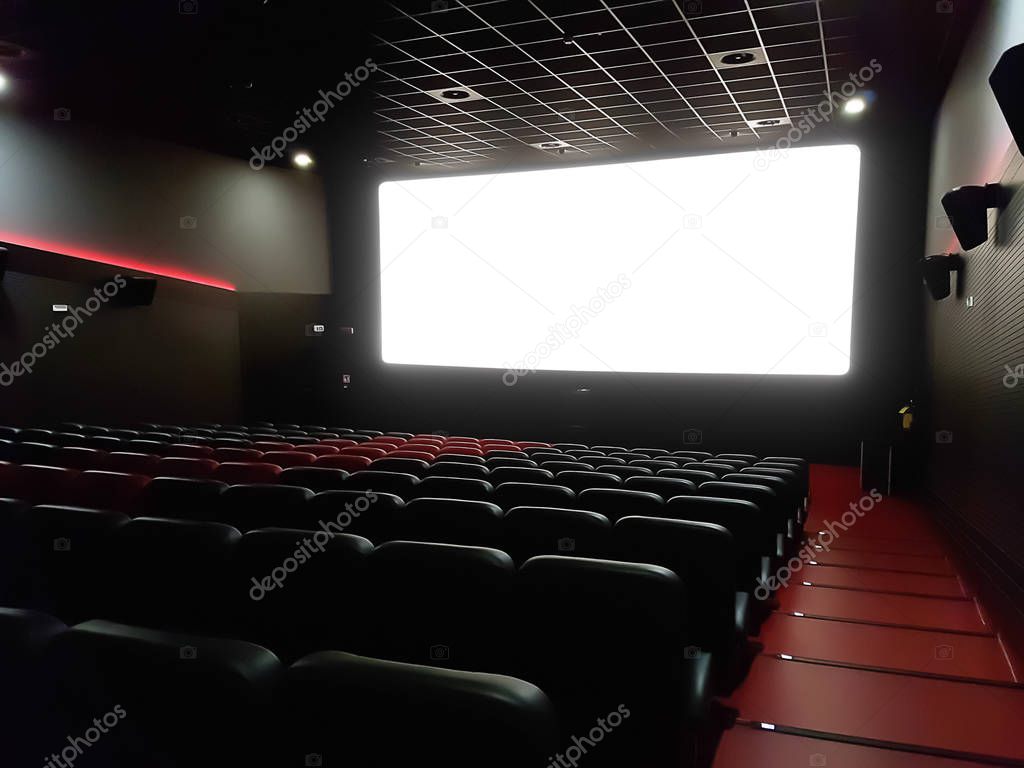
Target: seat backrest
(441, 604)
(407, 466)
(508, 495)
(766, 499)
(522, 474)
(405, 714)
(120, 491)
(580, 481)
(182, 498)
(277, 574)
(285, 459)
(237, 472)
(567, 466)
(77, 457)
(532, 531)
(168, 574)
(346, 462)
(454, 488)
(614, 503)
(374, 515)
(495, 463)
(665, 487)
(457, 469)
(175, 466)
(193, 700)
(704, 557)
(398, 483)
(624, 471)
(247, 507)
(315, 478)
(454, 521)
(695, 476)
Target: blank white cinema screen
(728, 263)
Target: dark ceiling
(598, 77)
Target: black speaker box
(1006, 80)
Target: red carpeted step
(878, 608)
(867, 645)
(883, 561)
(969, 719)
(884, 545)
(744, 747)
(882, 581)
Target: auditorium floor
(878, 656)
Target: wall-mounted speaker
(967, 209)
(1006, 81)
(936, 271)
(137, 292)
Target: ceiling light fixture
(302, 159)
(3, 82)
(743, 58)
(855, 106)
(455, 94)
(769, 122)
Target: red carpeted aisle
(878, 654)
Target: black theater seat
(167, 699)
(441, 604)
(377, 516)
(182, 498)
(42, 484)
(694, 455)
(541, 455)
(315, 478)
(623, 643)
(614, 503)
(167, 574)
(653, 464)
(495, 463)
(580, 481)
(532, 531)
(80, 458)
(764, 497)
(447, 455)
(280, 574)
(398, 714)
(568, 466)
(695, 476)
(416, 467)
(753, 532)
(749, 458)
(27, 682)
(711, 466)
(705, 558)
(666, 487)
(624, 472)
(508, 495)
(62, 557)
(454, 488)
(247, 507)
(501, 475)
(457, 469)
(454, 521)
(397, 483)
(34, 453)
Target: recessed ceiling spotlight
(769, 122)
(552, 144)
(568, 39)
(855, 106)
(744, 58)
(454, 95)
(3, 82)
(302, 159)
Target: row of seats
(120, 696)
(207, 577)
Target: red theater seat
(132, 463)
(339, 442)
(42, 485)
(386, 447)
(238, 472)
(409, 454)
(237, 454)
(530, 444)
(348, 462)
(318, 449)
(74, 457)
(370, 453)
(414, 445)
(285, 459)
(190, 451)
(180, 466)
(119, 491)
(266, 445)
(461, 450)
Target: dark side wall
(974, 352)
